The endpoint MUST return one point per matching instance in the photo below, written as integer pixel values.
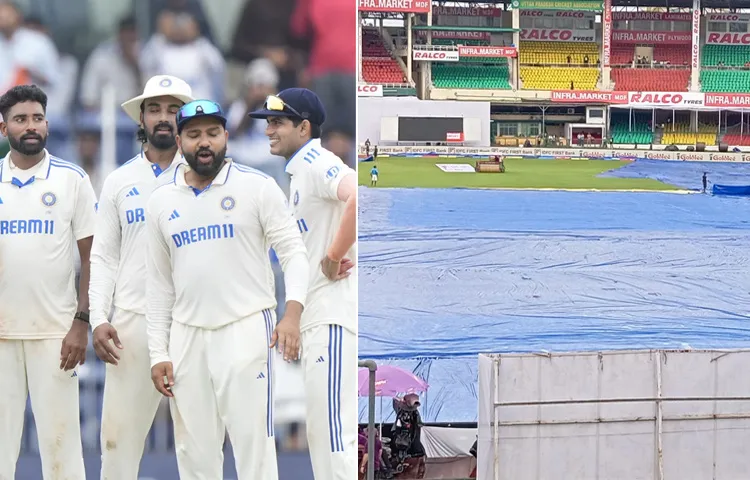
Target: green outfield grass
(520, 173)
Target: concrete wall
(371, 109)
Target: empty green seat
(640, 133)
(477, 76)
(729, 55)
(725, 81)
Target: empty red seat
(651, 79)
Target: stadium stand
(727, 81)
(719, 79)
(557, 53)
(728, 55)
(640, 134)
(622, 55)
(651, 79)
(683, 136)
(559, 78)
(378, 66)
(535, 76)
(736, 139)
(672, 54)
(472, 75)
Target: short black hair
(127, 23)
(21, 94)
(315, 130)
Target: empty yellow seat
(559, 78)
(556, 53)
(683, 136)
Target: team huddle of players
(177, 286)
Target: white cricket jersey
(41, 218)
(118, 257)
(316, 174)
(208, 259)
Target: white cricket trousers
(329, 360)
(32, 367)
(223, 380)
(130, 400)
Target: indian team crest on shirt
(49, 199)
(296, 197)
(227, 203)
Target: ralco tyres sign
(435, 55)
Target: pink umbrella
(390, 381)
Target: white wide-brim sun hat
(158, 86)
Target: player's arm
(283, 234)
(105, 261)
(73, 351)
(160, 298)
(334, 181)
(105, 256)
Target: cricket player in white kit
(323, 192)
(211, 299)
(118, 266)
(47, 206)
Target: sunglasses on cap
(198, 108)
(274, 103)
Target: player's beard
(209, 170)
(161, 140)
(22, 145)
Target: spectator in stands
(585, 59)
(570, 59)
(113, 62)
(26, 55)
(249, 141)
(264, 31)
(32, 22)
(88, 142)
(193, 7)
(332, 67)
(178, 49)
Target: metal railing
(373, 368)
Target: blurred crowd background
(92, 55)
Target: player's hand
(336, 270)
(73, 351)
(163, 377)
(286, 336)
(105, 349)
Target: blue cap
(200, 108)
(298, 103)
